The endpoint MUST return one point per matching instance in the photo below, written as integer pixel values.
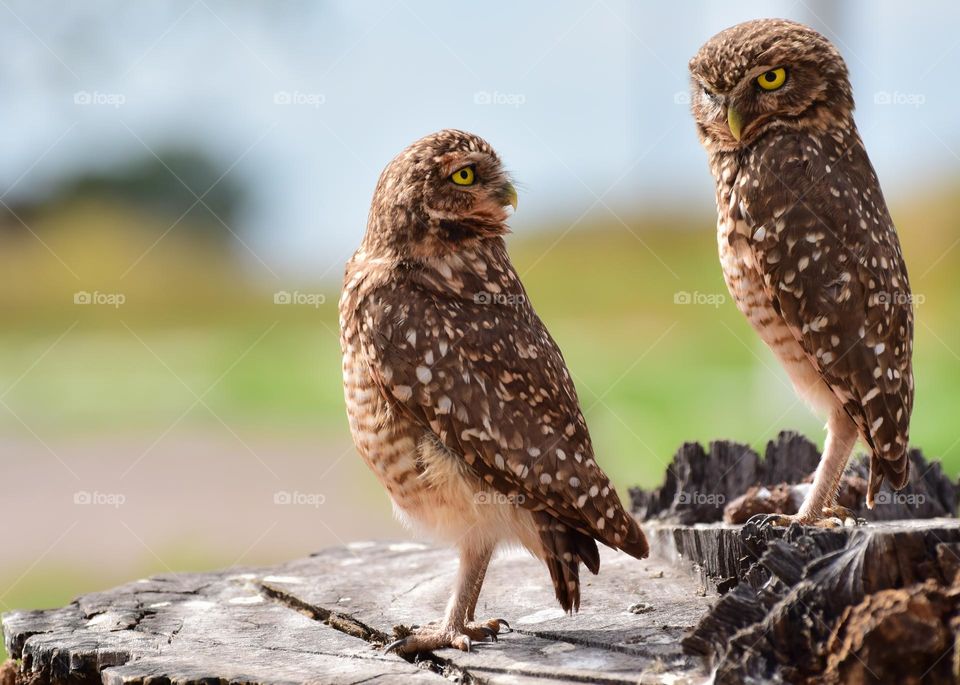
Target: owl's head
(763, 75)
(445, 190)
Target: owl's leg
(492, 627)
(453, 631)
(820, 506)
(475, 592)
(821, 502)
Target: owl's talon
(394, 645)
(833, 517)
(839, 512)
(769, 520)
(483, 630)
(847, 518)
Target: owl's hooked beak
(510, 196)
(734, 121)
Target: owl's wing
(831, 262)
(485, 377)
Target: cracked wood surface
(324, 618)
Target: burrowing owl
(458, 398)
(809, 252)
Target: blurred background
(182, 182)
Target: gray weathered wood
(323, 619)
(878, 603)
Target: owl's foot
(488, 629)
(847, 517)
(831, 517)
(430, 638)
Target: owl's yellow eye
(464, 177)
(773, 79)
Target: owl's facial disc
(765, 94)
(442, 193)
(470, 187)
(764, 75)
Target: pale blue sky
(587, 98)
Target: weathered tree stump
(875, 603)
(326, 618)
(704, 486)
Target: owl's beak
(510, 196)
(734, 121)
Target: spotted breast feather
(832, 265)
(468, 359)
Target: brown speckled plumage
(808, 249)
(458, 398)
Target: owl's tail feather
(563, 550)
(636, 544)
(896, 471)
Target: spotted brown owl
(458, 398)
(808, 249)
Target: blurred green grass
(651, 372)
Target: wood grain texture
(874, 603)
(325, 618)
(871, 604)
